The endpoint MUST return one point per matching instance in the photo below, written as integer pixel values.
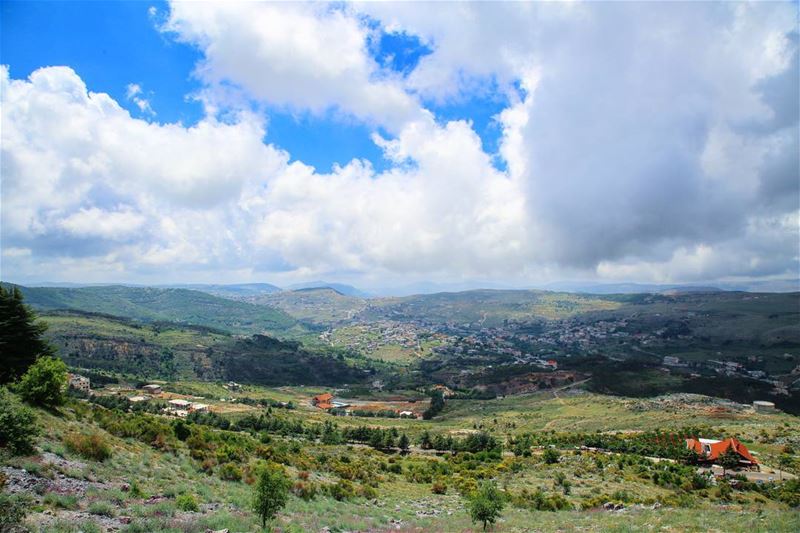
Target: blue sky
(391, 143)
(113, 44)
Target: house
(198, 407)
(137, 399)
(152, 389)
(79, 382)
(179, 404)
(323, 401)
(407, 414)
(709, 450)
(671, 360)
(761, 406)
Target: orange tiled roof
(327, 397)
(325, 405)
(718, 448)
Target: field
(145, 483)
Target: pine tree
(403, 443)
(729, 459)
(21, 339)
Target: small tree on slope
(271, 493)
(486, 504)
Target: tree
(437, 404)
(21, 339)
(17, 425)
(551, 456)
(728, 460)
(486, 504)
(271, 493)
(425, 440)
(44, 383)
(403, 443)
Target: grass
(177, 478)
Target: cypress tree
(21, 339)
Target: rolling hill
(149, 304)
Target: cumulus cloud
(133, 93)
(306, 57)
(654, 142)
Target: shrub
(187, 502)
(305, 490)
(101, 508)
(550, 456)
(439, 487)
(17, 424)
(61, 501)
(13, 508)
(45, 382)
(342, 490)
(230, 472)
(90, 446)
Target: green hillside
(155, 304)
(162, 350)
(487, 307)
(323, 306)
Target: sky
(389, 143)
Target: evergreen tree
(403, 443)
(21, 339)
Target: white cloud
(306, 57)
(133, 92)
(650, 142)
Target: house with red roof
(709, 450)
(323, 401)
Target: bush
(90, 446)
(187, 502)
(550, 456)
(305, 490)
(343, 490)
(61, 501)
(17, 424)
(101, 508)
(13, 508)
(45, 382)
(230, 472)
(439, 487)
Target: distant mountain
(347, 290)
(624, 288)
(316, 305)
(237, 290)
(150, 304)
(432, 287)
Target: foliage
(486, 504)
(550, 456)
(13, 508)
(270, 492)
(17, 424)
(436, 406)
(21, 339)
(187, 502)
(90, 446)
(45, 382)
